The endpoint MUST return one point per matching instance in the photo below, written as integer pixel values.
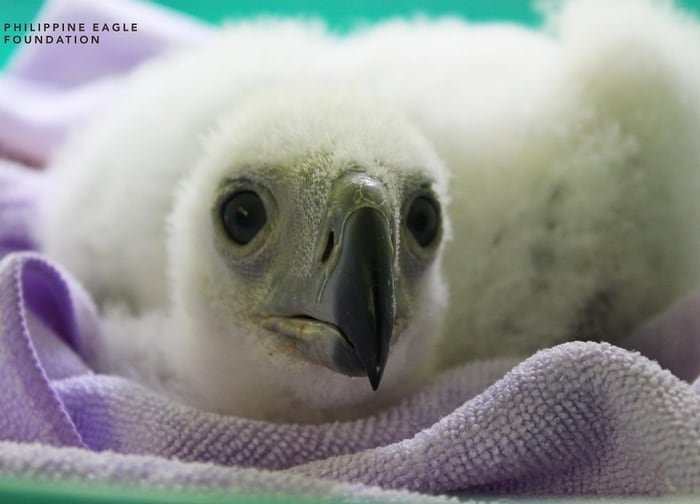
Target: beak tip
(375, 377)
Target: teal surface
(342, 14)
(339, 14)
(44, 492)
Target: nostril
(330, 243)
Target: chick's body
(574, 173)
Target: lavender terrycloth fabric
(580, 418)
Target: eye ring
(243, 216)
(423, 220)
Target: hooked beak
(361, 293)
(343, 316)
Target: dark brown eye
(243, 216)
(423, 220)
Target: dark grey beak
(363, 294)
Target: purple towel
(580, 418)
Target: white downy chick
(259, 254)
(574, 179)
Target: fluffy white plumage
(574, 163)
(574, 166)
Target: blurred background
(340, 15)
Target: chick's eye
(243, 216)
(423, 220)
